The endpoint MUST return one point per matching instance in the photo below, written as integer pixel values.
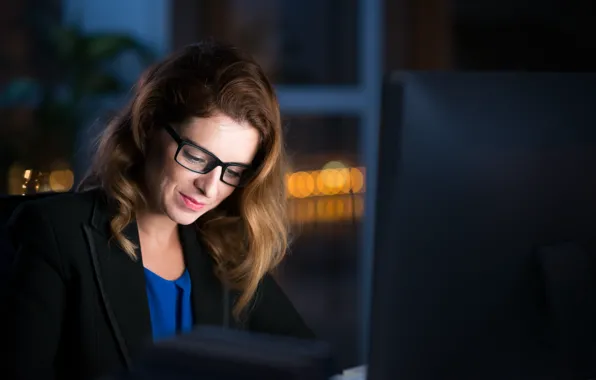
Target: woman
(181, 219)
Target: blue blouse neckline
(170, 304)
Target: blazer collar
(208, 294)
(121, 280)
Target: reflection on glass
(328, 209)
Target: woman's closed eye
(233, 173)
(194, 159)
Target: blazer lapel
(121, 282)
(211, 303)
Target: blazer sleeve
(273, 312)
(35, 296)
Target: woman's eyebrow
(187, 139)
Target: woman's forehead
(228, 139)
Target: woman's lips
(191, 203)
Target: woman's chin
(183, 216)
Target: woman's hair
(247, 234)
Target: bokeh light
(61, 180)
(333, 193)
(325, 182)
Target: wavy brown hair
(247, 234)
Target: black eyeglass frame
(244, 179)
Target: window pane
(296, 41)
(24, 60)
(320, 274)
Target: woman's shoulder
(57, 208)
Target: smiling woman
(181, 191)
(178, 223)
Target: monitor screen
(485, 218)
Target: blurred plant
(78, 71)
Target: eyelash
(231, 172)
(192, 158)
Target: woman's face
(184, 195)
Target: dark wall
(532, 35)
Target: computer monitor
(485, 224)
(215, 353)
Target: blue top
(169, 304)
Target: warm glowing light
(61, 180)
(327, 209)
(333, 179)
(334, 165)
(301, 184)
(357, 180)
(15, 179)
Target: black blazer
(77, 306)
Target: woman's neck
(156, 229)
(161, 248)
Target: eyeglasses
(199, 160)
